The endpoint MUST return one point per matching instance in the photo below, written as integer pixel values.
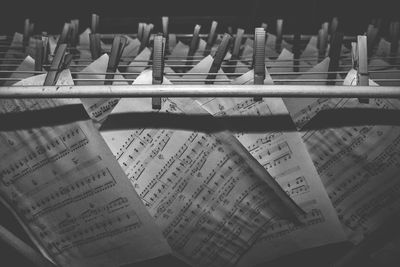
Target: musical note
(71, 194)
(284, 156)
(199, 191)
(358, 165)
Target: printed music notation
(198, 190)
(297, 186)
(359, 172)
(43, 154)
(285, 157)
(98, 108)
(102, 108)
(358, 165)
(95, 231)
(71, 194)
(303, 116)
(283, 228)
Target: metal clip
(211, 38)
(57, 65)
(219, 57)
(259, 58)
(194, 44)
(362, 62)
(158, 66)
(117, 48)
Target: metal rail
(95, 91)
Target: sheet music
(282, 64)
(84, 44)
(137, 64)
(84, 40)
(271, 42)
(383, 49)
(359, 165)
(309, 57)
(12, 52)
(71, 195)
(171, 41)
(386, 72)
(53, 40)
(131, 48)
(98, 108)
(302, 110)
(204, 67)
(199, 188)
(248, 50)
(285, 157)
(28, 64)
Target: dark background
(306, 15)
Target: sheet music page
(271, 42)
(171, 41)
(138, 64)
(201, 48)
(283, 64)
(98, 108)
(383, 49)
(53, 40)
(84, 43)
(179, 51)
(204, 67)
(131, 48)
(248, 49)
(84, 40)
(70, 193)
(13, 52)
(358, 165)
(248, 54)
(384, 71)
(28, 64)
(309, 57)
(285, 157)
(241, 67)
(302, 110)
(270, 52)
(199, 188)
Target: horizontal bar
(187, 35)
(200, 73)
(96, 91)
(303, 37)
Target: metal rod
(199, 74)
(97, 91)
(303, 37)
(189, 35)
(188, 80)
(132, 59)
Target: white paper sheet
(27, 65)
(204, 67)
(98, 108)
(285, 157)
(70, 194)
(283, 64)
(309, 57)
(383, 70)
(198, 187)
(358, 165)
(138, 64)
(304, 109)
